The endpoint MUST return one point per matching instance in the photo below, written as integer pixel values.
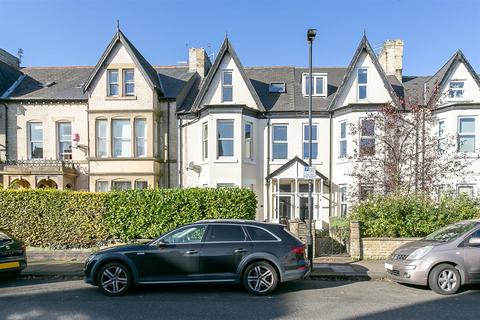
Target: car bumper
(301, 272)
(13, 264)
(405, 271)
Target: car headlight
(419, 253)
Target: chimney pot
(391, 58)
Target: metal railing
(40, 163)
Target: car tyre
(260, 278)
(114, 279)
(444, 279)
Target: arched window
(47, 184)
(19, 184)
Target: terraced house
(127, 124)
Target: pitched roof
(173, 79)
(438, 80)
(8, 76)
(289, 163)
(224, 49)
(364, 46)
(52, 83)
(145, 68)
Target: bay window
(466, 134)
(121, 138)
(248, 140)
(101, 141)
(367, 137)
(140, 137)
(225, 138)
(343, 140)
(205, 141)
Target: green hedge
(412, 215)
(66, 219)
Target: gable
(241, 93)
(376, 91)
(471, 88)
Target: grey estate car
(443, 260)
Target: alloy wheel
(114, 279)
(447, 280)
(260, 279)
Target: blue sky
(55, 32)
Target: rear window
(257, 234)
(3, 236)
(221, 233)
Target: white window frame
(466, 134)
(155, 138)
(365, 186)
(121, 181)
(344, 140)
(205, 140)
(466, 186)
(138, 139)
(362, 137)
(138, 182)
(248, 142)
(305, 141)
(314, 84)
(342, 194)
(282, 88)
(60, 154)
(98, 182)
(451, 90)
(99, 140)
(279, 141)
(362, 85)
(30, 142)
(441, 136)
(121, 139)
(113, 83)
(226, 85)
(125, 82)
(226, 139)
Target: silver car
(443, 260)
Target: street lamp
(311, 33)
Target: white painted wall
(471, 89)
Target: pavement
(335, 268)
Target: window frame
(210, 226)
(226, 86)
(109, 83)
(281, 85)
(364, 187)
(466, 134)
(138, 138)
(232, 139)
(248, 141)
(121, 181)
(314, 141)
(343, 200)
(60, 154)
(451, 90)
(205, 140)
(466, 186)
(441, 136)
(276, 125)
(30, 142)
(130, 82)
(367, 137)
(122, 139)
(362, 84)
(99, 140)
(138, 181)
(316, 75)
(342, 140)
(97, 184)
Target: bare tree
(404, 150)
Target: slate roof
(173, 79)
(8, 76)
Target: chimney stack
(391, 58)
(198, 61)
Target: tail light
(299, 250)
(23, 248)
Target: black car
(256, 254)
(12, 256)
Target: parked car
(256, 254)
(443, 260)
(12, 256)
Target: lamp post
(311, 33)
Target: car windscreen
(451, 232)
(4, 237)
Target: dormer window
(277, 87)
(227, 86)
(456, 89)
(112, 79)
(362, 83)
(319, 85)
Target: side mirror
(474, 242)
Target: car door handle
(191, 251)
(240, 251)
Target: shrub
(66, 219)
(397, 215)
(340, 228)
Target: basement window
(277, 87)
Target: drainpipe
(268, 170)
(180, 154)
(168, 144)
(6, 130)
(330, 167)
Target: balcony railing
(40, 163)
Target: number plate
(10, 265)
(388, 266)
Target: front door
(285, 209)
(472, 258)
(174, 258)
(303, 208)
(224, 248)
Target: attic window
(277, 87)
(319, 84)
(456, 89)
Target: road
(309, 299)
